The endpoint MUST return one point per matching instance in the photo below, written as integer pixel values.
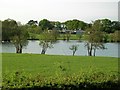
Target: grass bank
(36, 63)
(61, 37)
(55, 72)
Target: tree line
(95, 33)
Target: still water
(62, 48)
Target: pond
(62, 48)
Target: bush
(82, 81)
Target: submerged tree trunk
(89, 48)
(94, 51)
(74, 53)
(19, 49)
(43, 51)
(90, 53)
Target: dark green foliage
(33, 28)
(32, 23)
(9, 26)
(109, 26)
(115, 37)
(57, 25)
(94, 38)
(115, 26)
(106, 25)
(19, 38)
(79, 36)
(75, 25)
(46, 24)
(82, 81)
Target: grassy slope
(72, 37)
(48, 65)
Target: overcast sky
(58, 10)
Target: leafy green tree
(83, 25)
(94, 38)
(45, 24)
(106, 25)
(79, 36)
(109, 26)
(34, 30)
(66, 35)
(69, 25)
(9, 26)
(115, 36)
(96, 46)
(74, 48)
(75, 24)
(19, 39)
(115, 26)
(57, 25)
(46, 41)
(54, 35)
(32, 27)
(32, 23)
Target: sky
(58, 10)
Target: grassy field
(66, 69)
(72, 37)
(38, 36)
(49, 64)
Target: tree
(115, 36)
(46, 41)
(34, 30)
(9, 26)
(32, 27)
(115, 26)
(75, 24)
(54, 35)
(109, 26)
(79, 36)
(97, 46)
(57, 25)
(74, 48)
(106, 25)
(66, 35)
(32, 23)
(19, 39)
(45, 24)
(83, 25)
(94, 38)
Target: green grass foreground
(57, 72)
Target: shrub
(81, 81)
